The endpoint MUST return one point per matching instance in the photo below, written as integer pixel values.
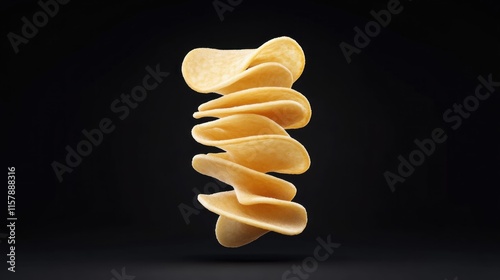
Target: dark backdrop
(120, 206)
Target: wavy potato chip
(256, 106)
(285, 106)
(278, 62)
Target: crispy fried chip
(285, 106)
(256, 106)
(278, 62)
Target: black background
(119, 207)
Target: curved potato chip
(250, 185)
(269, 150)
(285, 106)
(256, 107)
(276, 215)
(278, 62)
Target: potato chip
(256, 106)
(285, 106)
(255, 142)
(278, 62)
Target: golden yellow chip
(257, 106)
(285, 106)
(278, 62)
(255, 142)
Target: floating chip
(278, 62)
